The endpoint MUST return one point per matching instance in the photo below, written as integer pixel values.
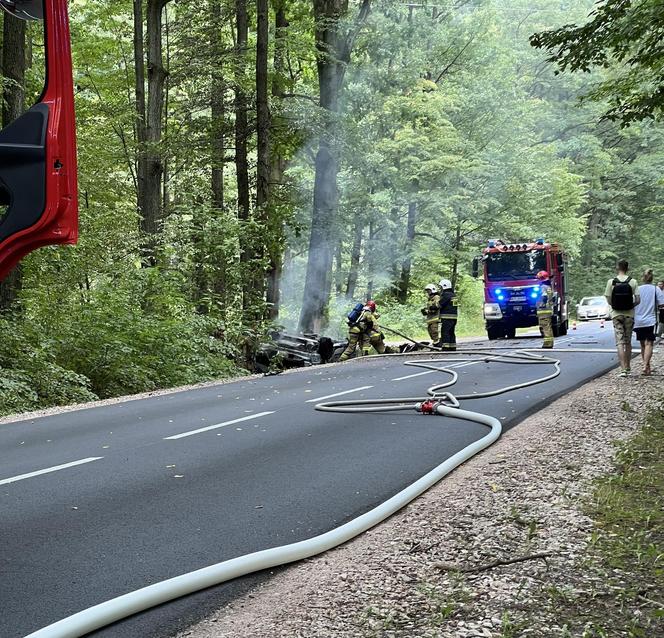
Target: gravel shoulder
(431, 570)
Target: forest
(251, 164)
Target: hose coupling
(427, 407)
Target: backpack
(622, 295)
(355, 314)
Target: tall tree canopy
(624, 36)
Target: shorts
(623, 326)
(647, 333)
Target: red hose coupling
(428, 407)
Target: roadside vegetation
(625, 557)
(209, 212)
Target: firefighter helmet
(371, 305)
(542, 275)
(445, 284)
(431, 288)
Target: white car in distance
(593, 308)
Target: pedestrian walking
(544, 308)
(646, 316)
(622, 294)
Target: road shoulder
(428, 570)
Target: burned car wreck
(286, 351)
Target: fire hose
(437, 401)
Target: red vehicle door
(38, 191)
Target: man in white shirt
(645, 318)
(622, 295)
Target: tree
(334, 45)
(625, 37)
(150, 115)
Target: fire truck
(38, 190)
(511, 288)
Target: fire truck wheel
(494, 332)
(510, 333)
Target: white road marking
(338, 394)
(419, 374)
(412, 376)
(55, 468)
(216, 426)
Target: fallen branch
(449, 567)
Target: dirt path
(430, 570)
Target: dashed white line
(419, 374)
(412, 376)
(338, 394)
(48, 470)
(216, 426)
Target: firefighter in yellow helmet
(364, 331)
(545, 309)
(431, 311)
(448, 315)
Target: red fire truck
(511, 288)
(38, 194)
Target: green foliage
(30, 375)
(624, 37)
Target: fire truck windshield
(521, 265)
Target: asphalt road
(154, 488)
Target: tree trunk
(355, 254)
(218, 114)
(241, 126)
(455, 255)
(154, 165)
(333, 55)
(139, 91)
(404, 279)
(338, 270)
(370, 261)
(262, 146)
(13, 105)
(262, 110)
(277, 167)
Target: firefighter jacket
(448, 305)
(545, 302)
(432, 308)
(368, 323)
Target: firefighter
(371, 334)
(364, 331)
(354, 332)
(448, 315)
(432, 311)
(545, 309)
